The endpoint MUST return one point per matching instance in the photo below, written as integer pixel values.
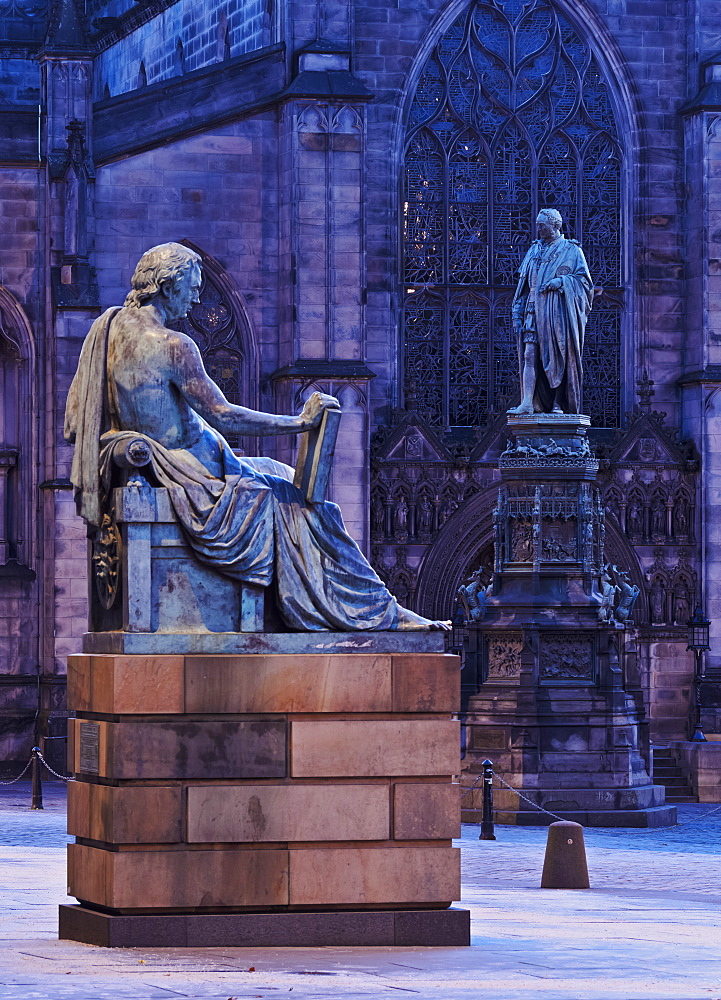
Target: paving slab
(649, 928)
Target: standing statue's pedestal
(552, 713)
(264, 790)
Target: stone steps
(667, 771)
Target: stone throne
(144, 576)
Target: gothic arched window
(17, 451)
(511, 114)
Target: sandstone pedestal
(266, 798)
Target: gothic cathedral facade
(361, 179)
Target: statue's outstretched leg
(409, 621)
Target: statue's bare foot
(521, 409)
(409, 621)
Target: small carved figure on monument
(680, 519)
(522, 542)
(550, 311)
(137, 378)
(425, 518)
(551, 548)
(473, 595)
(106, 560)
(628, 593)
(378, 518)
(681, 604)
(657, 602)
(400, 520)
(658, 520)
(634, 519)
(609, 591)
(450, 506)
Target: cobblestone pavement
(648, 929)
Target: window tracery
(511, 113)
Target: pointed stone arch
(465, 538)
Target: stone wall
(183, 37)
(22, 311)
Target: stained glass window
(511, 114)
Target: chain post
(37, 786)
(487, 817)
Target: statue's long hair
(166, 262)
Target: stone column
(322, 289)
(66, 63)
(701, 379)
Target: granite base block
(358, 928)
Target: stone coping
(229, 643)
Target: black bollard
(487, 818)
(37, 785)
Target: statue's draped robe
(252, 524)
(561, 318)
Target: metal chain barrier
(37, 754)
(526, 799)
(63, 777)
(678, 826)
(24, 770)
(657, 829)
(470, 789)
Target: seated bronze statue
(242, 516)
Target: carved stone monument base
(553, 713)
(262, 798)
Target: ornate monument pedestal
(552, 713)
(294, 789)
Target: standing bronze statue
(550, 310)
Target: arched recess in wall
(18, 459)
(465, 543)
(513, 108)
(221, 327)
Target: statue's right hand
(314, 407)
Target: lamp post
(698, 643)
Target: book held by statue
(315, 456)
